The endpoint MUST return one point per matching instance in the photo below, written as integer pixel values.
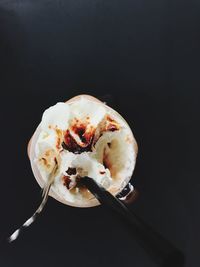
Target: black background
(143, 57)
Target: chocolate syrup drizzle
(86, 134)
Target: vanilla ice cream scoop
(84, 137)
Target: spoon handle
(160, 249)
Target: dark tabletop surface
(142, 57)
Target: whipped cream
(84, 140)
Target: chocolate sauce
(71, 171)
(80, 131)
(66, 181)
(71, 145)
(84, 131)
(86, 134)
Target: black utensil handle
(160, 249)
